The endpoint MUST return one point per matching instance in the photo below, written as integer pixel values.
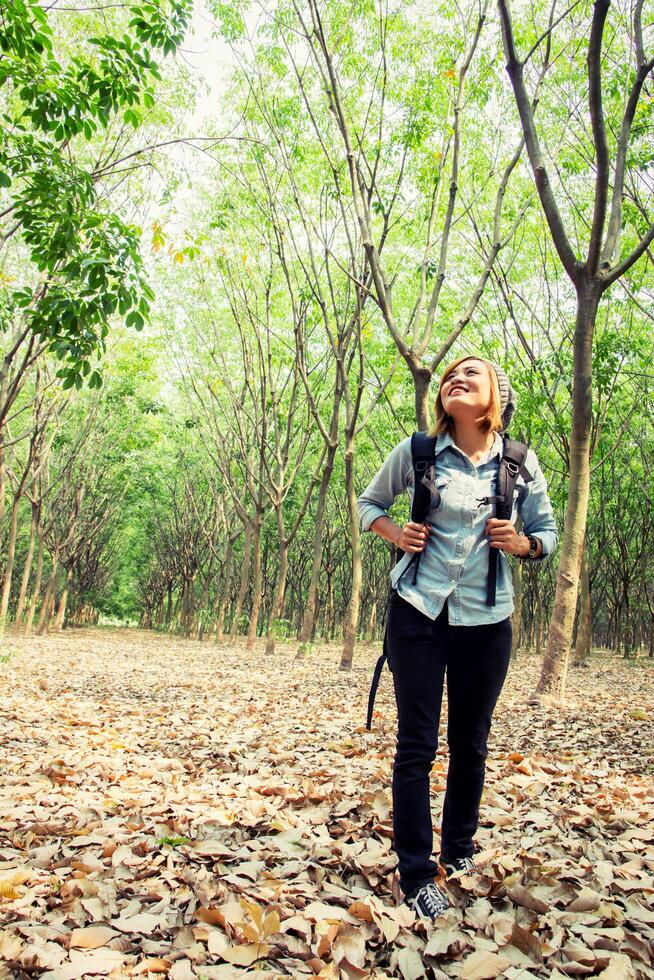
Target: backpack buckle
(512, 467)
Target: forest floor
(189, 810)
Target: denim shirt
(454, 564)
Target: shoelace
(463, 864)
(432, 899)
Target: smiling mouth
(458, 390)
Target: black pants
(476, 658)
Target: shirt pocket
(485, 487)
(439, 488)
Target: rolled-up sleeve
(536, 511)
(391, 480)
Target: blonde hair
(490, 421)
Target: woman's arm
(502, 534)
(386, 529)
(535, 509)
(412, 537)
(390, 481)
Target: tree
(605, 261)
(76, 261)
(85, 259)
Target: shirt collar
(445, 439)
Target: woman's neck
(472, 441)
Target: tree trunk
(559, 639)
(421, 381)
(328, 618)
(372, 620)
(256, 582)
(169, 606)
(3, 467)
(243, 588)
(191, 606)
(627, 630)
(9, 567)
(224, 592)
(584, 627)
(538, 624)
(61, 610)
(310, 609)
(49, 598)
(187, 606)
(280, 584)
(352, 615)
(37, 587)
(203, 613)
(26, 570)
(517, 613)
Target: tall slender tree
(603, 263)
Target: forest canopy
(240, 243)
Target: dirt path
(188, 810)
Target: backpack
(423, 448)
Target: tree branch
(626, 264)
(515, 71)
(642, 71)
(594, 60)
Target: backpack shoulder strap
(515, 453)
(512, 464)
(423, 447)
(379, 666)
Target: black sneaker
(427, 901)
(451, 866)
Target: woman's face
(466, 390)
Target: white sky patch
(209, 57)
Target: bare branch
(643, 69)
(515, 70)
(626, 264)
(594, 59)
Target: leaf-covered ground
(189, 810)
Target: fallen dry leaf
(245, 955)
(483, 965)
(196, 810)
(92, 937)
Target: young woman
(441, 623)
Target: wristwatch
(533, 546)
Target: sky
(208, 57)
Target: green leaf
(135, 319)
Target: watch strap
(533, 547)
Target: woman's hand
(503, 535)
(413, 537)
